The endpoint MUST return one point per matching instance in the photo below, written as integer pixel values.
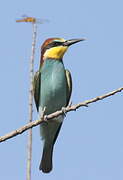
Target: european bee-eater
(52, 90)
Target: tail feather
(46, 161)
(49, 132)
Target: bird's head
(54, 48)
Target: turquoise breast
(53, 86)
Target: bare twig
(57, 113)
(29, 143)
(31, 73)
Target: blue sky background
(90, 144)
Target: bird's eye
(55, 43)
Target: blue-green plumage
(53, 91)
(53, 97)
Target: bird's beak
(72, 41)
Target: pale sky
(90, 145)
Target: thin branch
(56, 114)
(31, 20)
(29, 142)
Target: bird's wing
(36, 88)
(69, 85)
(69, 90)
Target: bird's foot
(70, 104)
(45, 118)
(64, 111)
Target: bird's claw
(64, 111)
(45, 118)
(70, 104)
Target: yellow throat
(55, 52)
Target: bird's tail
(46, 161)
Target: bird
(52, 87)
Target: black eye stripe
(53, 44)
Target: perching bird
(52, 90)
